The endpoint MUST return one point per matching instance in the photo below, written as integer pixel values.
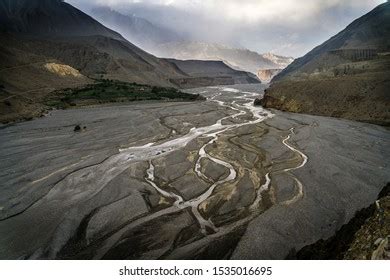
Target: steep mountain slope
(26, 78)
(49, 18)
(347, 76)
(210, 73)
(138, 30)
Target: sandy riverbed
(214, 179)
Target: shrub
(257, 102)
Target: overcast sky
(287, 27)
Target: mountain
(164, 42)
(281, 61)
(347, 76)
(241, 59)
(37, 34)
(56, 30)
(210, 73)
(49, 18)
(137, 30)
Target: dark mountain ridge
(347, 76)
(371, 31)
(49, 18)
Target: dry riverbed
(191, 180)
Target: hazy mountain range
(164, 42)
(241, 59)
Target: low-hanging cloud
(290, 27)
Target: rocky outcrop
(266, 75)
(365, 236)
(62, 70)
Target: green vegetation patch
(110, 91)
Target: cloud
(291, 26)
(250, 10)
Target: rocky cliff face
(281, 61)
(347, 76)
(266, 75)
